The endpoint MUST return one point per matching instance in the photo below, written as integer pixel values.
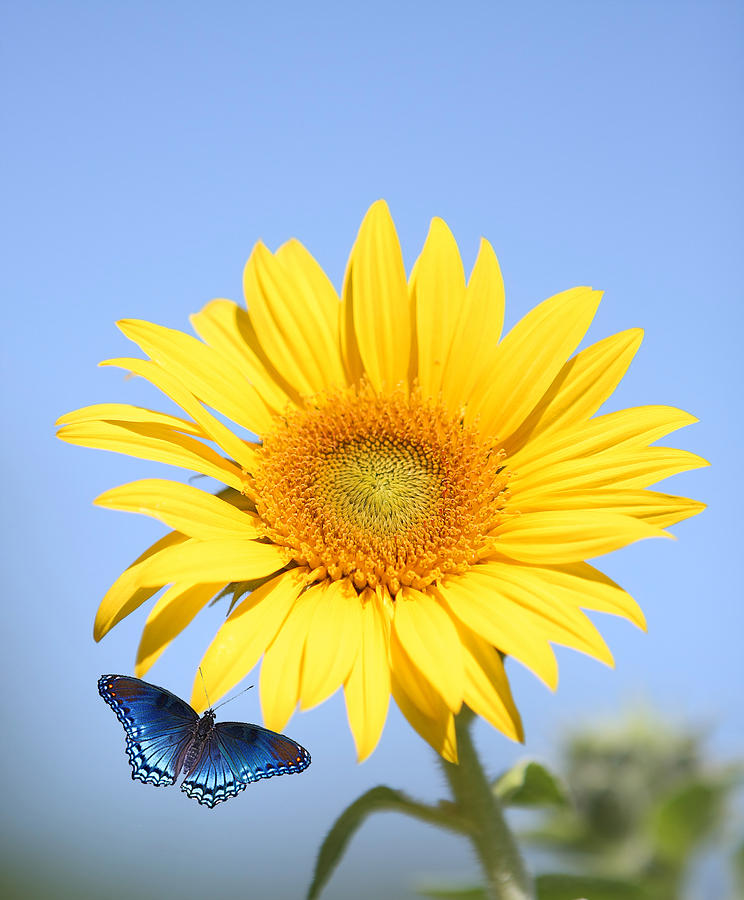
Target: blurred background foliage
(645, 804)
(636, 808)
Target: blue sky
(148, 147)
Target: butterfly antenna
(204, 685)
(233, 698)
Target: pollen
(391, 490)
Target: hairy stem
(506, 875)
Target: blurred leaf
(453, 892)
(562, 833)
(687, 817)
(739, 868)
(350, 820)
(573, 887)
(378, 799)
(530, 784)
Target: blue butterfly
(166, 737)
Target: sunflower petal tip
(129, 326)
(363, 753)
(377, 211)
(437, 223)
(256, 258)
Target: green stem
(506, 875)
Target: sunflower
(422, 497)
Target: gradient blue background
(147, 147)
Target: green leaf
(574, 887)
(453, 892)
(530, 784)
(685, 819)
(378, 799)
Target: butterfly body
(194, 750)
(165, 738)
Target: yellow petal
(241, 451)
(228, 329)
(625, 430)
(477, 332)
(655, 464)
(332, 643)
(480, 609)
(315, 286)
(189, 562)
(439, 296)
(205, 373)
(625, 469)
(655, 508)
(529, 358)
(130, 415)
(584, 586)
(420, 690)
(381, 313)
(526, 596)
(245, 635)
(290, 324)
(183, 508)
(127, 593)
(487, 690)
(349, 347)
(425, 631)
(171, 614)
(367, 689)
(221, 561)
(580, 388)
(280, 671)
(568, 536)
(439, 730)
(156, 443)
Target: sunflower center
(382, 486)
(390, 490)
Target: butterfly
(166, 738)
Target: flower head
(422, 497)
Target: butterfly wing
(213, 779)
(235, 754)
(158, 725)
